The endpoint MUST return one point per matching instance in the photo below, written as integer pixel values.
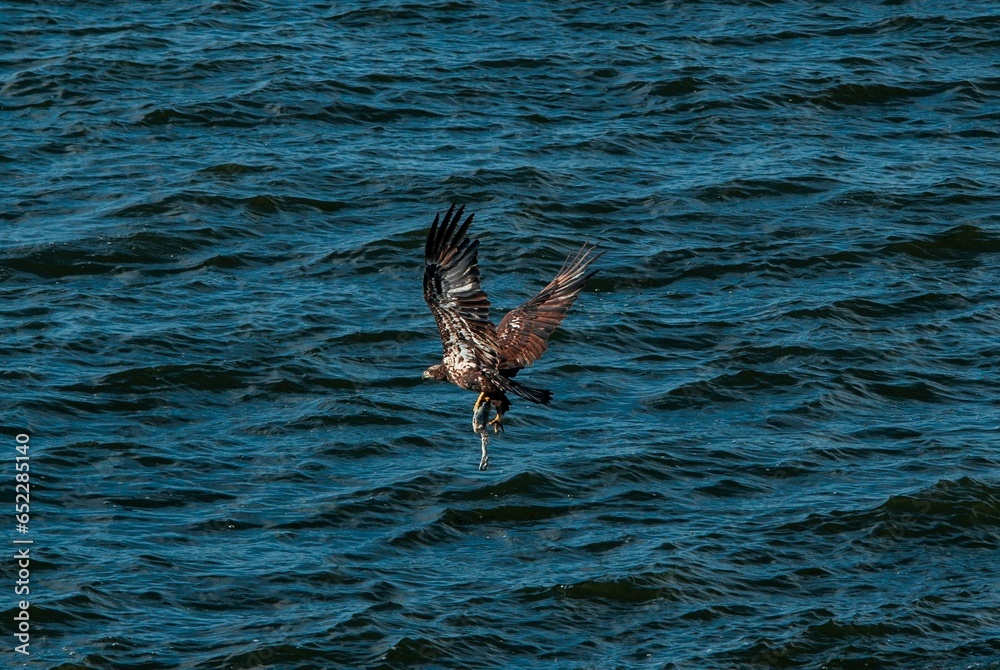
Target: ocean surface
(775, 439)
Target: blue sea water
(774, 435)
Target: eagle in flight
(479, 356)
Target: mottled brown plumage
(477, 355)
(523, 334)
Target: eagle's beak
(424, 375)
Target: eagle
(479, 356)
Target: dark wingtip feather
(465, 226)
(444, 231)
(431, 236)
(572, 276)
(443, 236)
(447, 237)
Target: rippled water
(774, 436)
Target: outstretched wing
(523, 334)
(454, 294)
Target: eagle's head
(435, 372)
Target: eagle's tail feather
(531, 394)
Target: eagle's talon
(497, 423)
